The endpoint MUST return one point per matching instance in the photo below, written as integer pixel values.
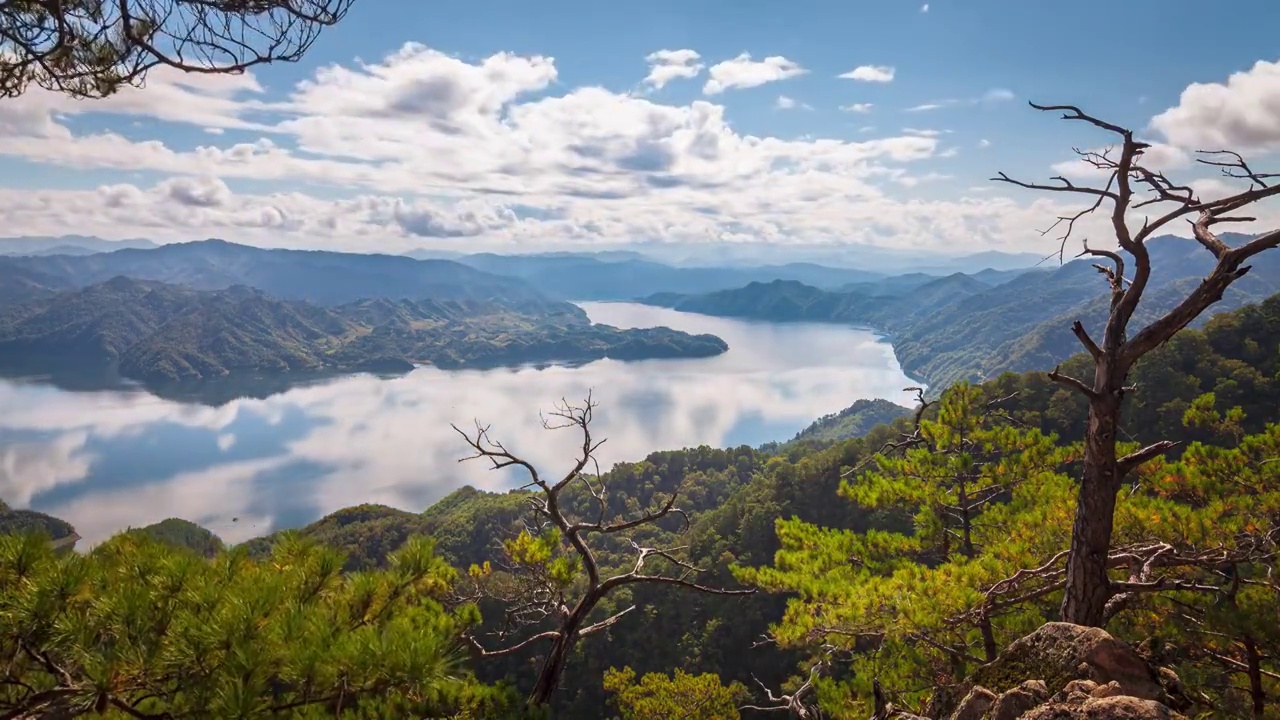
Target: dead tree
(538, 594)
(799, 704)
(91, 48)
(1130, 188)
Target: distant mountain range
(323, 278)
(608, 274)
(959, 327)
(208, 309)
(67, 245)
(157, 332)
(328, 310)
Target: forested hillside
(959, 328)
(158, 332)
(766, 519)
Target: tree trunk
(989, 647)
(1256, 692)
(552, 671)
(1088, 588)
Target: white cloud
(1241, 114)
(1159, 157)
(857, 108)
(984, 143)
(990, 97)
(743, 72)
(668, 65)
(914, 180)
(870, 73)
(924, 8)
(925, 107)
(789, 103)
(423, 149)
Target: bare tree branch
(539, 596)
(1132, 185)
(91, 48)
(1127, 463)
(1073, 383)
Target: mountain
(20, 521)
(67, 245)
(320, 277)
(851, 422)
(788, 300)
(870, 258)
(621, 277)
(959, 328)
(157, 332)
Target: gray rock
(1111, 689)
(1018, 701)
(1111, 708)
(1058, 653)
(974, 706)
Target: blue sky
(510, 125)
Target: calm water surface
(109, 459)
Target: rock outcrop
(1070, 672)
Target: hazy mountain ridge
(154, 331)
(567, 275)
(958, 328)
(319, 277)
(68, 245)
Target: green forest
(903, 559)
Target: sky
(509, 126)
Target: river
(108, 459)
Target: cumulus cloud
(421, 148)
(857, 108)
(743, 72)
(203, 192)
(870, 73)
(924, 8)
(1242, 113)
(668, 65)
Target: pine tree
(681, 695)
(140, 629)
(913, 610)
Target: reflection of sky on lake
(109, 459)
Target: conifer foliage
(139, 629)
(1192, 570)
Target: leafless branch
(91, 49)
(535, 596)
(1073, 383)
(796, 703)
(1127, 463)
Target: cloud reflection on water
(106, 460)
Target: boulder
(1120, 707)
(974, 706)
(1018, 701)
(1058, 653)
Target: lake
(109, 459)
